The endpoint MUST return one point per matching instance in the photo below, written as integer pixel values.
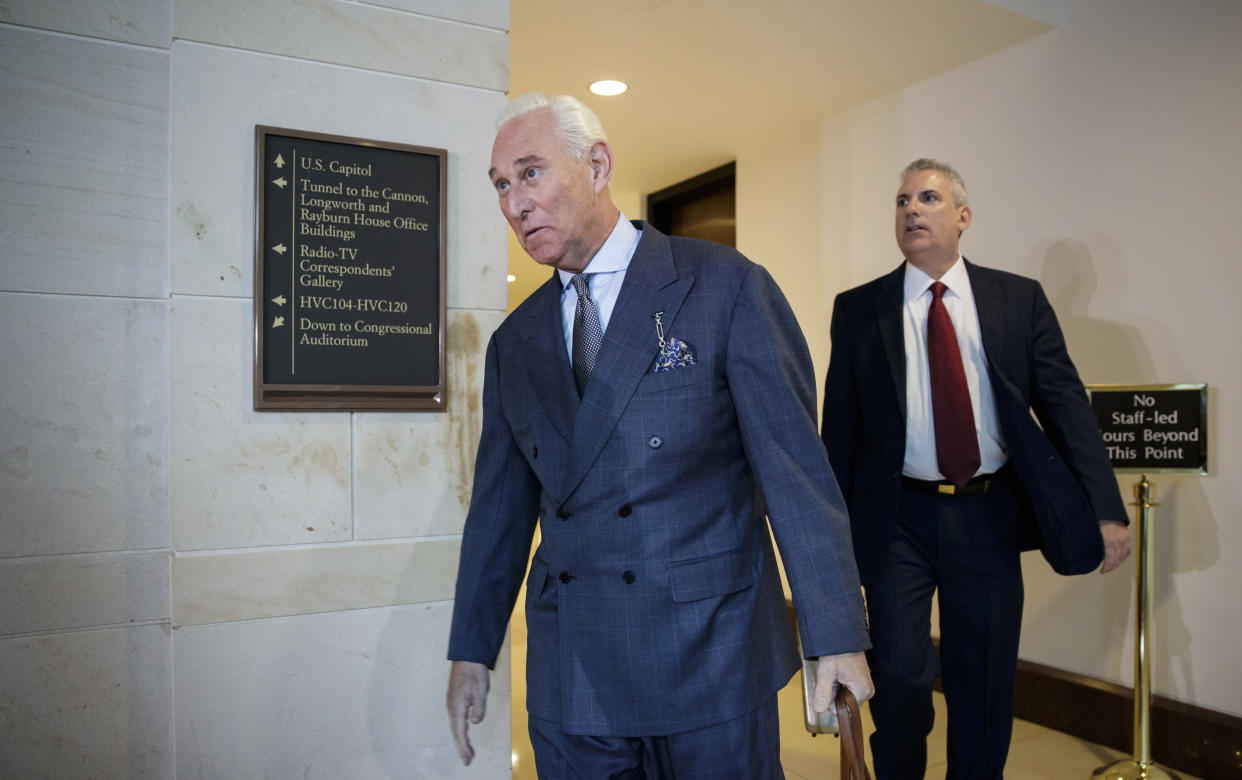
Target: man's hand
(1116, 545)
(467, 703)
(848, 669)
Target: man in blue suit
(935, 370)
(649, 404)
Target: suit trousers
(966, 550)
(745, 748)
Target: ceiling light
(512, 278)
(608, 87)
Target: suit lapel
(889, 302)
(547, 361)
(651, 285)
(990, 306)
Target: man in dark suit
(935, 369)
(649, 404)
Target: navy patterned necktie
(588, 333)
(957, 444)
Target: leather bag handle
(853, 759)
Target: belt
(979, 484)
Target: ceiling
(708, 77)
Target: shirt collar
(917, 281)
(614, 255)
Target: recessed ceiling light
(609, 87)
(512, 278)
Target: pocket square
(675, 353)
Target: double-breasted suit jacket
(1060, 466)
(654, 605)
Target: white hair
(579, 126)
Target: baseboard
(1182, 737)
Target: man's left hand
(848, 669)
(1116, 545)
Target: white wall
(1102, 160)
(191, 588)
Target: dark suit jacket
(1063, 475)
(654, 605)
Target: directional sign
(349, 273)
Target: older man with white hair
(650, 405)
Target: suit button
(628, 578)
(566, 577)
(534, 452)
(625, 510)
(563, 513)
(655, 442)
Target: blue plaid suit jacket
(654, 605)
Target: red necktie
(957, 446)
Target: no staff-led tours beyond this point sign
(349, 301)
(1153, 428)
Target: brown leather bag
(849, 721)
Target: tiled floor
(1036, 753)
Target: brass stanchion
(1141, 767)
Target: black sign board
(1153, 428)
(349, 300)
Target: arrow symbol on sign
(278, 322)
(279, 249)
(279, 300)
(280, 161)
(280, 182)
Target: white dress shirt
(959, 301)
(609, 266)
